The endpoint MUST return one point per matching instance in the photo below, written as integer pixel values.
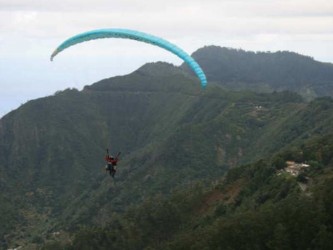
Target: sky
(30, 30)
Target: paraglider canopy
(138, 36)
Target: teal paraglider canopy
(137, 36)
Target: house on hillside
(294, 168)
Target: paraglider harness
(111, 163)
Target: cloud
(269, 6)
(173, 16)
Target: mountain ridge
(171, 132)
(266, 71)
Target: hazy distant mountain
(266, 71)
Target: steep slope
(253, 207)
(171, 133)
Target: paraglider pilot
(111, 163)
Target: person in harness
(111, 163)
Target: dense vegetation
(252, 208)
(176, 140)
(266, 71)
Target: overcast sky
(31, 29)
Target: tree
(280, 238)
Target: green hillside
(266, 71)
(171, 134)
(253, 207)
